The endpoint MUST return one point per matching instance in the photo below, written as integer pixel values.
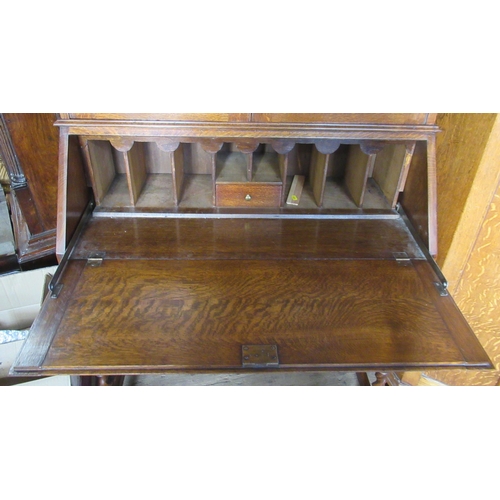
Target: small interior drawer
(249, 194)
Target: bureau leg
(363, 378)
(110, 380)
(386, 379)
(97, 380)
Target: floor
(247, 379)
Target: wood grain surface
(192, 131)
(415, 198)
(29, 245)
(356, 175)
(468, 177)
(46, 325)
(209, 117)
(399, 118)
(101, 166)
(35, 140)
(249, 194)
(135, 169)
(178, 173)
(186, 293)
(478, 296)
(188, 314)
(396, 118)
(391, 169)
(73, 194)
(158, 238)
(468, 181)
(317, 175)
(29, 148)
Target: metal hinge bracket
(259, 356)
(55, 286)
(443, 283)
(56, 290)
(441, 288)
(95, 259)
(402, 258)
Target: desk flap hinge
(95, 259)
(56, 290)
(441, 288)
(259, 356)
(402, 258)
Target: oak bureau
(229, 242)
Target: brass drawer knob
(248, 197)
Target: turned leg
(386, 378)
(363, 378)
(110, 380)
(98, 380)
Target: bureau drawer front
(248, 195)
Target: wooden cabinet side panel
(35, 141)
(415, 198)
(73, 193)
(478, 295)
(29, 248)
(460, 152)
(471, 208)
(31, 218)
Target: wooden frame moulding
(29, 247)
(190, 131)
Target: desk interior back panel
(165, 238)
